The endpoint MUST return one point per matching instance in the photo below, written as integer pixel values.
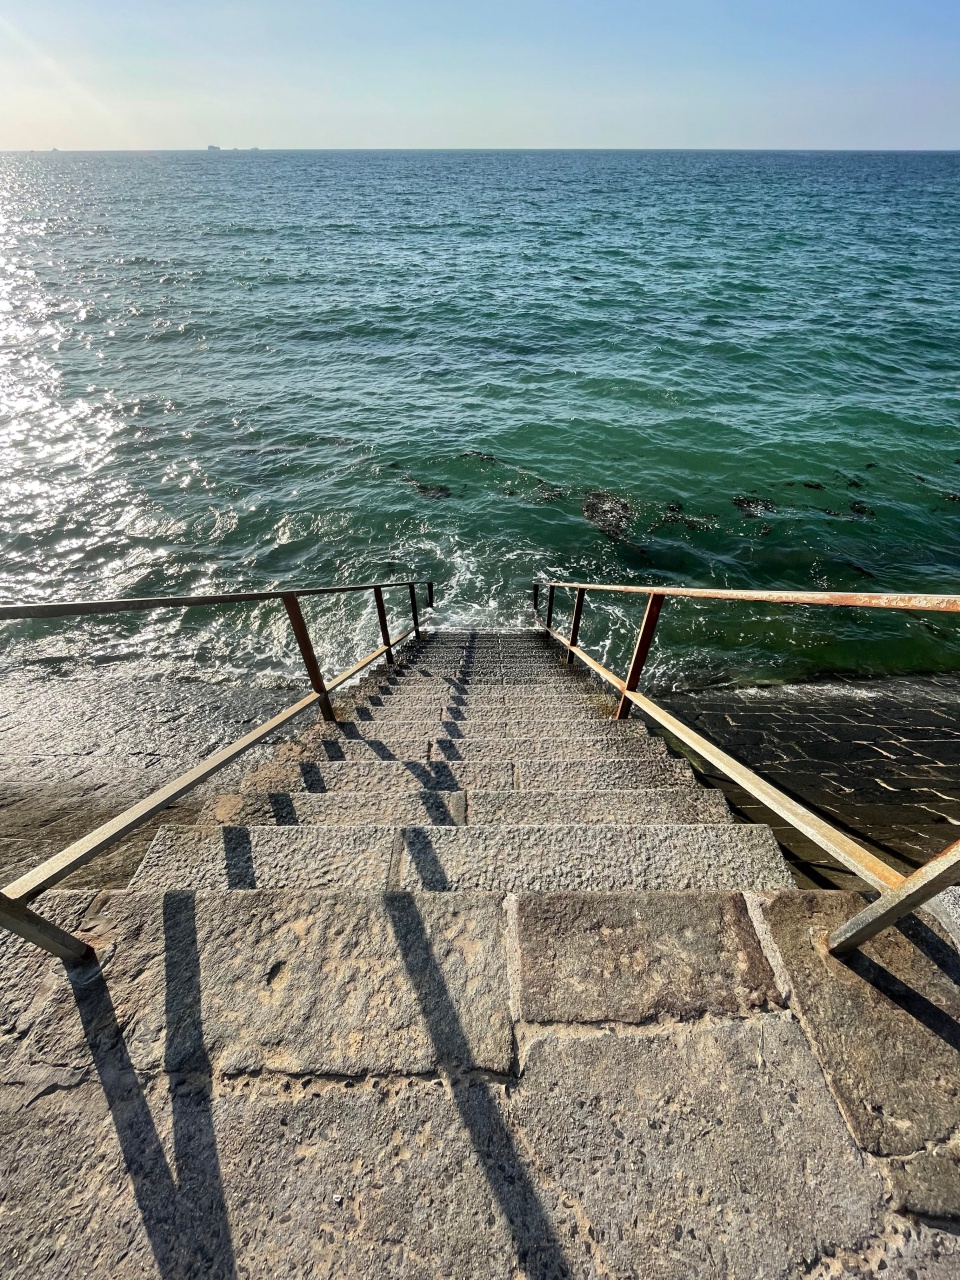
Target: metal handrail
(898, 894)
(15, 914)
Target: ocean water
(235, 370)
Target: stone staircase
(479, 761)
(475, 983)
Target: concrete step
(565, 747)
(508, 858)
(460, 808)
(383, 776)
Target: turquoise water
(251, 369)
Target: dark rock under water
(611, 514)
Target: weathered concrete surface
(296, 983)
(519, 859)
(383, 776)
(885, 1023)
(77, 746)
(635, 957)
(704, 1150)
(351, 857)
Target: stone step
(460, 808)
(565, 747)
(507, 858)
(514, 859)
(570, 700)
(383, 776)
(501, 718)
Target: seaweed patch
(750, 506)
(611, 515)
(429, 490)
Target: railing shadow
(184, 1212)
(539, 1253)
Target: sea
(234, 370)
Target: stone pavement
(880, 758)
(430, 994)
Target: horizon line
(214, 149)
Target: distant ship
(213, 148)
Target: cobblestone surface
(880, 758)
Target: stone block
(348, 857)
(283, 982)
(634, 957)
(884, 1021)
(703, 1150)
(523, 859)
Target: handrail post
(536, 599)
(575, 627)
(413, 610)
(429, 595)
(382, 615)
(26, 924)
(644, 640)
(551, 590)
(309, 657)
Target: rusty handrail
(899, 894)
(83, 608)
(14, 913)
(841, 599)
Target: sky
(104, 74)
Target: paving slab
(293, 983)
(517, 859)
(636, 957)
(382, 776)
(349, 857)
(702, 1150)
(885, 1023)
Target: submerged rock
(548, 492)
(751, 506)
(611, 515)
(430, 490)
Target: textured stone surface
(885, 1022)
(401, 809)
(570, 747)
(632, 957)
(663, 804)
(298, 983)
(647, 1156)
(382, 776)
(29, 974)
(601, 775)
(706, 1150)
(267, 858)
(524, 859)
(377, 745)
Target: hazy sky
(495, 73)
